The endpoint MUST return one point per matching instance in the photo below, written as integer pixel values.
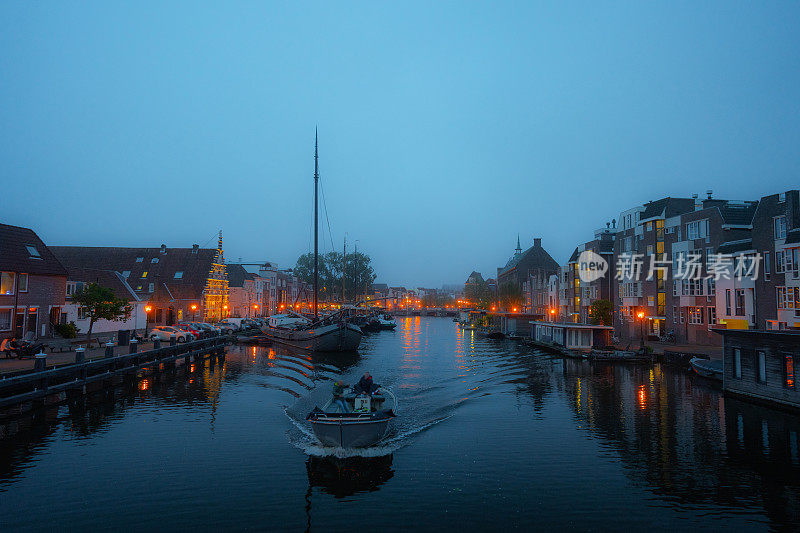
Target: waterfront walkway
(60, 358)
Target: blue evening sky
(446, 128)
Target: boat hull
(344, 433)
(340, 337)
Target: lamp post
(147, 310)
(194, 312)
(640, 316)
(552, 314)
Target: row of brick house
(163, 285)
(676, 235)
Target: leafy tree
(359, 274)
(478, 293)
(509, 296)
(601, 313)
(101, 303)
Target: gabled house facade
(32, 284)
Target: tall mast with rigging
(316, 250)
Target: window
(712, 287)
(23, 283)
(34, 253)
(126, 274)
(179, 275)
(766, 266)
(761, 366)
(151, 287)
(674, 313)
(649, 226)
(695, 315)
(144, 274)
(739, 302)
(779, 226)
(82, 313)
(138, 287)
(154, 260)
(6, 283)
(788, 371)
(681, 314)
(139, 259)
(737, 363)
(675, 291)
(728, 302)
(779, 262)
(649, 249)
(5, 319)
(712, 315)
(697, 230)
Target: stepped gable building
(176, 283)
(32, 284)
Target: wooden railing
(73, 378)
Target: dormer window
(33, 252)
(139, 259)
(126, 274)
(144, 274)
(179, 275)
(154, 260)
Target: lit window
(139, 259)
(144, 274)
(34, 253)
(138, 287)
(7, 283)
(178, 275)
(788, 370)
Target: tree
(359, 274)
(478, 294)
(601, 313)
(510, 296)
(101, 303)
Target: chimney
(709, 193)
(195, 247)
(698, 205)
(163, 248)
(537, 242)
(613, 222)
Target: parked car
(189, 328)
(163, 333)
(209, 328)
(226, 328)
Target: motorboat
(365, 424)
(386, 321)
(707, 368)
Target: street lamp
(147, 310)
(552, 314)
(640, 316)
(193, 307)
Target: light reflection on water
(484, 425)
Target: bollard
(109, 349)
(40, 361)
(80, 354)
(156, 343)
(173, 340)
(134, 346)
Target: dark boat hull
(350, 432)
(340, 337)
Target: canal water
(490, 435)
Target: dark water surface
(491, 435)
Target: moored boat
(707, 368)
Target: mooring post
(173, 340)
(134, 346)
(80, 354)
(109, 349)
(40, 361)
(157, 344)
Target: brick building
(522, 266)
(32, 284)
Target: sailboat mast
(316, 224)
